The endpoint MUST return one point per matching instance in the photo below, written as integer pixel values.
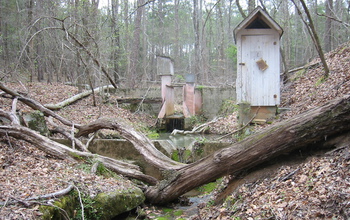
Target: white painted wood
(259, 88)
(253, 85)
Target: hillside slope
(319, 187)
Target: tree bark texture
(304, 130)
(309, 128)
(63, 152)
(76, 98)
(314, 36)
(140, 142)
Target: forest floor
(319, 187)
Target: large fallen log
(61, 151)
(309, 128)
(139, 140)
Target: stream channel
(186, 149)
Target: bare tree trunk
(251, 5)
(135, 50)
(115, 40)
(328, 29)
(197, 38)
(314, 36)
(304, 130)
(240, 9)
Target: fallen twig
(94, 167)
(52, 195)
(240, 129)
(81, 202)
(75, 98)
(68, 135)
(28, 201)
(143, 99)
(195, 130)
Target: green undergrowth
(168, 214)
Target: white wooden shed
(258, 65)
(258, 60)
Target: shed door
(260, 70)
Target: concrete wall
(124, 150)
(212, 97)
(138, 92)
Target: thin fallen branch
(53, 195)
(81, 203)
(143, 99)
(308, 66)
(70, 136)
(76, 98)
(240, 129)
(90, 140)
(196, 130)
(36, 105)
(94, 167)
(27, 201)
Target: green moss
(164, 218)
(111, 204)
(209, 187)
(187, 154)
(175, 155)
(153, 135)
(167, 210)
(200, 87)
(66, 203)
(178, 213)
(36, 121)
(76, 156)
(321, 80)
(299, 74)
(169, 214)
(104, 206)
(228, 107)
(104, 171)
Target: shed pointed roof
(259, 19)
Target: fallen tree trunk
(140, 142)
(301, 131)
(308, 128)
(61, 151)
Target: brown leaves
(29, 172)
(319, 189)
(309, 89)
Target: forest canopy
(84, 43)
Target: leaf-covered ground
(27, 172)
(315, 189)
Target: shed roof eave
(271, 22)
